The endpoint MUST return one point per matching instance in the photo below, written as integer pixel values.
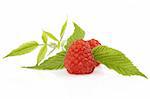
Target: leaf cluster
(110, 57)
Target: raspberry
(79, 59)
(93, 43)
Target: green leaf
(52, 45)
(58, 44)
(23, 49)
(62, 44)
(52, 63)
(44, 37)
(50, 35)
(116, 60)
(41, 54)
(77, 35)
(63, 28)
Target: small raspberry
(93, 43)
(79, 59)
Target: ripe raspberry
(93, 43)
(79, 59)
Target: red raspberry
(93, 43)
(79, 59)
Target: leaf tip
(25, 67)
(5, 56)
(144, 76)
(28, 67)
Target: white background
(121, 24)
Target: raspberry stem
(51, 51)
(50, 47)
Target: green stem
(59, 42)
(45, 44)
(50, 47)
(51, 51)
(61, 38)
